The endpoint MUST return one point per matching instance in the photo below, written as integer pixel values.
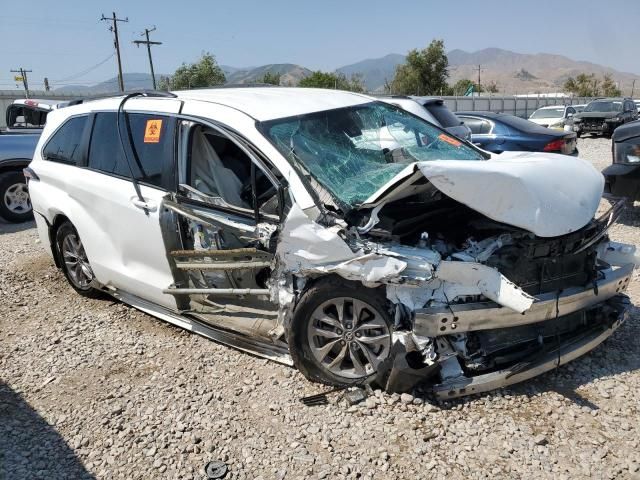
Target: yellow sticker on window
(152, 131)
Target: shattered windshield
(352, 152)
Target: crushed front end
(507, 307)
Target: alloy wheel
(16, 198)
(348, 337)
(76, 262)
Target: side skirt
(241, 342)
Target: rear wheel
(15, 204)
(340, 333)
(75, 263)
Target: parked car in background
(554, 116)
(29, 115)
(604, 115)
(342, 235)
(432, 110)
(501, 132)
(622, 177)
(25, 120)
(637, 102)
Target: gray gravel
(92, 388)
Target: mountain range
(513, 72)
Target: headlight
(614, 119)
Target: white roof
(268, 103)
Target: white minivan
(333, 232)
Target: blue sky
(64, 38)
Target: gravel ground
(95, 389)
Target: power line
(148, 43)
(116, 43)
(84, 72)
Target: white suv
(334, 232)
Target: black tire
(318, 294)
(80, 278)
(15, 205)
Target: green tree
(583, 85)
(424, 73)
(461, 86)
(492, 87)
(204, 73)
(270, 78)
(338, 81)
(609, 88)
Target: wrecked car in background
(334, 232)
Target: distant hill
(374, 71)
(513, 72)
(290, 74)
(132, 81)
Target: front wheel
(75, 263)
(15, 204)
(340, 332)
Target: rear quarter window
(65, 144)
(443, 115)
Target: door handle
(144, 204)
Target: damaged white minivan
(333, 232)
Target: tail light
(554, 146)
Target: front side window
(477, 126)
(221, 172)
(153, 141)
(354, 151)
(64, 146)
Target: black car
(501, 132)
(622, 178)
(604, 115)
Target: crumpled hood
(547, 194)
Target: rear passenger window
(153, 140)
(64, 146)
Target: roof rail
(144, 92)
(236, 85)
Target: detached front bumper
(614, 313)
(445, 320)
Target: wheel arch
(13, 165)
(58, 220)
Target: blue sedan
(501, 132)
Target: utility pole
(633, 87)
(116, 43)
(23, 77)
(148, 43)
(479, 87)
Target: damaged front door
(227, 209)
